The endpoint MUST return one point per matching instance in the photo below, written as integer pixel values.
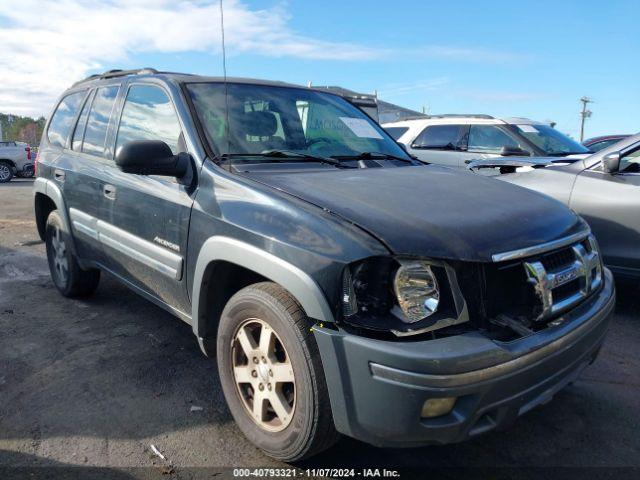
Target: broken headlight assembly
(404, 296)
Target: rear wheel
(271, 373)
(68, 277)
(6, 172)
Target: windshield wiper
(287, 154)
(372, 156)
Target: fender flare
(305, 290)
(51, 190)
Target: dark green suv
(342, 286)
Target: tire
(268, 309)
(6, 172)
(67, 276)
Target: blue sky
(506, 58)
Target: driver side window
(630, 163)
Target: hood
(433, 211)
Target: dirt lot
(95, 382)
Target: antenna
(226, 86)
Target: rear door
(440, 144)
(146, 240)
(82, 170)
(610, 203)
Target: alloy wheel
(263, 375)
(60, 262)
(5, 172)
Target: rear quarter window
(396, 132)
(62, 120)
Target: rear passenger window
(62, 120)
(438, 136)
(96, 132)
(148, 114)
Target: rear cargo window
(96, 131)
(62, 120)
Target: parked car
(456, 140)
(281, 223)
(596, 144)
(15, 160)
(604, 188)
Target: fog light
(434, 407)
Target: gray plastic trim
(297, 282)
(50, 189)
(140, 250)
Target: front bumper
(377, 388)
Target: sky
(505, 58)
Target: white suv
(456, 140)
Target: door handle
(109, 191)
(59, 175)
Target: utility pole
(584, 114)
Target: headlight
(416, 289)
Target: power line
(584, 114)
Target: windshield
(264, 119)
(550, 140)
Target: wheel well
(220, 282)
(6, 160)
(43, 206)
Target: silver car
(604, 188)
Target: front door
(146, 240)
(610, 203)
(486, 141)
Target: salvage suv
(342, 286)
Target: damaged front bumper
(378, 388)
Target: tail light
(35, 164)
(28, 150)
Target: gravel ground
(95, 382)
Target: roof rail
(463, 115)
(117, 73)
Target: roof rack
(117, 73)
(463, 115)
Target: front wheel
(68, 277)
(271, 373)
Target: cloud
(47, 45)
(399, 89)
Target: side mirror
(611, 162)
(151, 157)
(507, 151)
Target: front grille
(563, 278)
(538, 288)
